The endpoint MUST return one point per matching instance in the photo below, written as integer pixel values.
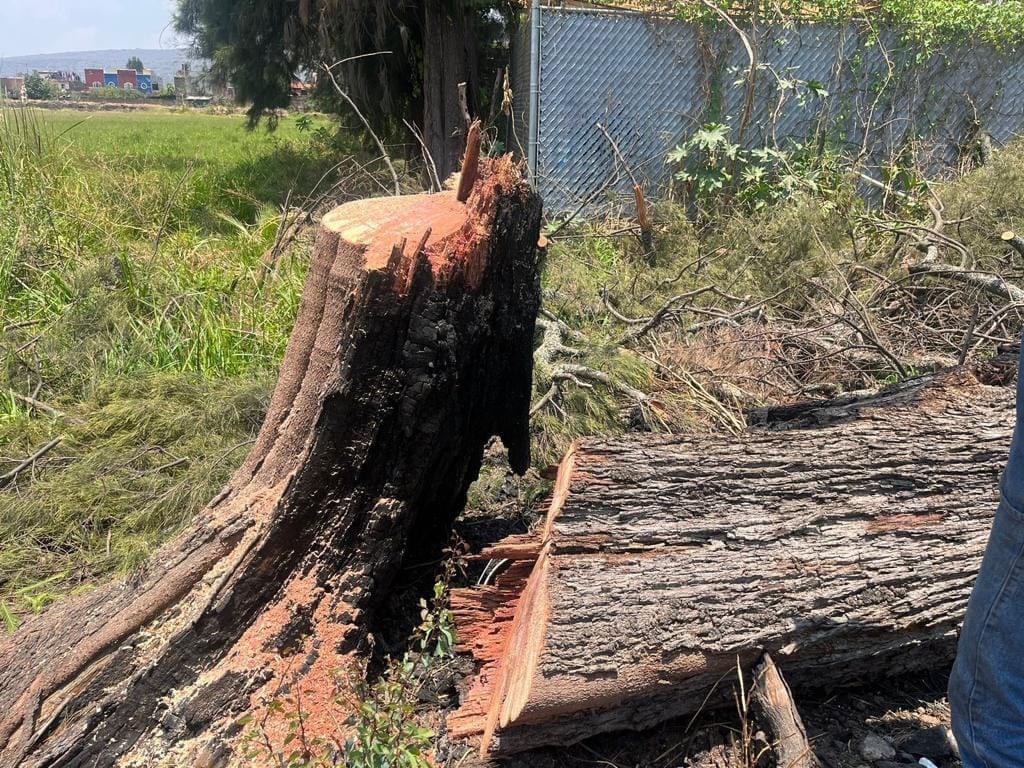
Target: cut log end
(665, 560)
(449, 228)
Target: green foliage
(387, 734)
(376, 48)
(930, 24)
(136, 461)
(926, 24)
(715, 170)
(39, 87)
(113, 93)
(134, 62)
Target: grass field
(136, 303)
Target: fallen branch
(657, 571)
(39, 405)
(1013, 240)
(8, 477)
(990, 282)
(668, 309)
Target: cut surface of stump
(412, 348)
(846, 551)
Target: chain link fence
(651, 81)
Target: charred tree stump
(846, 550)
(411, 349)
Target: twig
(435, 181)
(8, 477)
(748, 100)
(39, 405)
(965, 346)
(361, 116)
(642, 215)
(990, 282)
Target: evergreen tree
(397, 59)
(135, 63)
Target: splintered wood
(412, 347)
(847, 551)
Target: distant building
(94, 77)
(13, 88)
(109, 79)
(128, 79)
(144, 82)
(66, 80)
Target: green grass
(135, 300)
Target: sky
(56, 26)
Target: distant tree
(38, 87)
(134, 63)
(398, 60)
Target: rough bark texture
(449, 58)
(411, 349)
(779, 718)
(847, 550)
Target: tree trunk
(449, 58)
(411, 349)
(846, 551)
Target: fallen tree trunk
(846, 551)
(411, 349)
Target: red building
(127, 78)
(93, 77)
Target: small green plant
(714, 170)
(385, 732)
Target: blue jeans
(986, 688)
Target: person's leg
(986, 688)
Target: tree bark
(449, 58)
(411, 349)
(777, 714)
(847, 551)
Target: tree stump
(846, 550)
(412, 348)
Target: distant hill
(163, 62)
